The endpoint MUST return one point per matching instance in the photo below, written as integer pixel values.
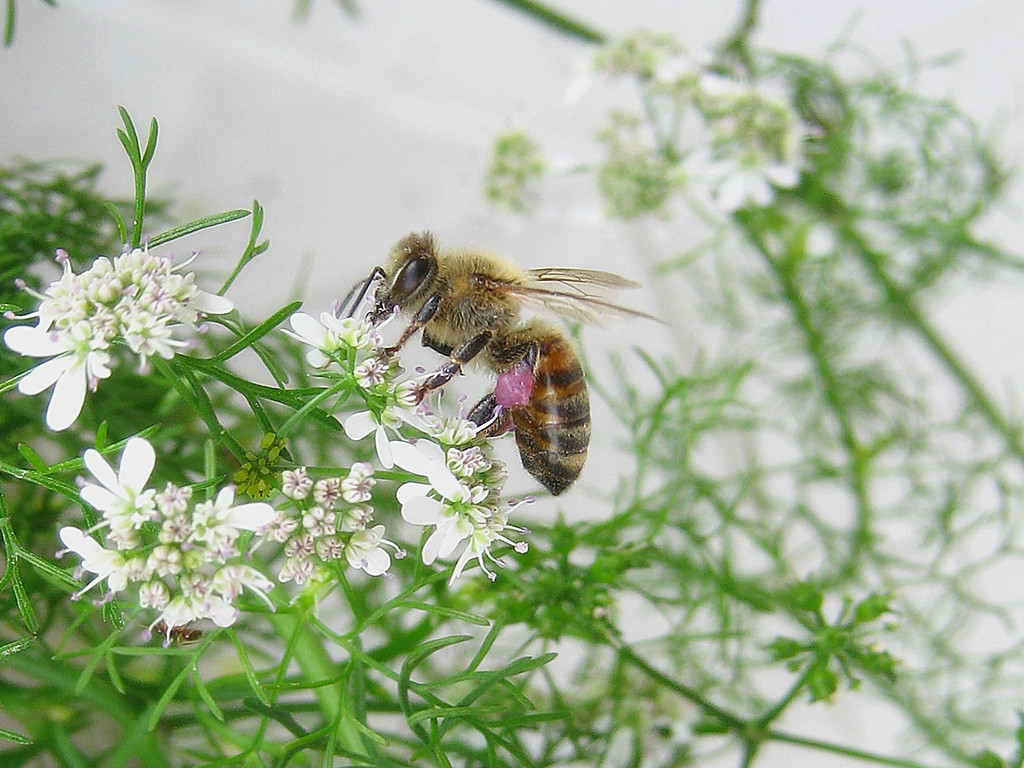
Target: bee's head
(410, 271)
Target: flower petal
(359, 425)
(223, 613)
(34, 341)
(410, 458)
(383, 448)
(225, 497)
(433, 544)
(45, 374)
(137, 462)
(67, 399)
(211, 303)
(96, 464)
(421, 510)
(409, 491)
(251, 517)
(100, 498)
(465, 557)
(78, 542)
(453, 535)
(444, 481)
(376, 562)
(308, 327)
(317, 359)
(732, 194)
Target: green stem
(315, 662)
(902, 303)
(839, 749)
(737, 43)
(816, 346)
(691, 694)
(557, 20)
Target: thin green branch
(557, 20)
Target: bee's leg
(494, 419)
(461, 355)
(421, 318)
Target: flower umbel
(331, 524)
(135, 301)
(462, 498)
(183, 558)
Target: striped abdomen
(553, 428)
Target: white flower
(298, 569)
(741, 185)
(106, 564)
(428, 460)
(327, 491)
(362, 423)
(184, 609)
(219, 520)
(76, 363)
(137, 297)
(296, 483)
(371, 372)
(330, 335)
(355, 518)
(357, 486)
(231, 579)
(122, 498)
(461, 511)
(154, 594)
(364, 551)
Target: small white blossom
(318, 521)
(363, 423)
(463, 510)
(219, 519)
(327, 492)
(355, 519)
(371, 372)
(330, 336)
(154, 594)
(358, 484)
(297, 569)
(107, 564)
(165, 560)
(281, 527)
(75, 365)
(173, 500)
(123, 498)
(296, 483)
(230, 580)
(365, 551)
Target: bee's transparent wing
(573, 278)
(578, 294)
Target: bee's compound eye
(410, 277)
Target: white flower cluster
(738, 135)
(461, 498)
(462, 495)
(135, 300)
(183, 558)
(355, 346)
(330, 520)
(755, 142)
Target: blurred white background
(353, 131)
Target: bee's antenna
(359, 292)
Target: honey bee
(467, 303)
